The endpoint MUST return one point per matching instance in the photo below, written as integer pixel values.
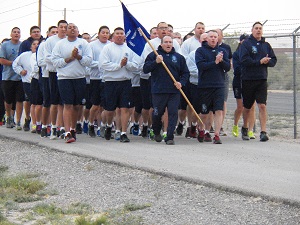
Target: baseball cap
(244, 36)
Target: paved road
(270, 169)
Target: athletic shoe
(53, 134)
(73, 133)
(201, 135)
(207, 137)
(44, 132)
(78, 128)
(222, 132)
(26, 126)
(151, 134)
(107, 133)
(38, 129)
(69, 138)
(102, 131)
(18, 126)
(144, 131)
(164, 136)
(8, 123)
(179, 129)
(158, 138)
(61, 133)
(85, 127)
(245, 135)
(251, 134)
(217, 140)
(117, 136)
(235, 131)
(92, 131)
(187, 133)
(264, 136)
(193, 133)
(48, 130)
(124, 138)
(33, 128)
(98, 132)
(211, 130)
(170, 142)
(135, 130)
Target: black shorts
(210, 99)
(88, 104)
(72, 91)
(54, 91)
(46, 92)
(13, 91)
(187, 91)
(254, 90)
(195, 97)
(237, 92)
(36, 93)
(137, 99)
(145, 86)
(95, 92)
(117, 95)
(27, 91)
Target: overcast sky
(90, 16)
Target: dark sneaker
(92, 131)
(135, 130)
(85, 127)
(158, 138)
(201, 135)
(9, 123)
(69, 138)
(73, 133)
(145, 131)
(264, 136)
(124, 138)
(61, 133)
(187, 133)
(217, 140)
(44, 132)
(245, 135)
(207, 137)
(211, 130)
(48, 130)
(170, 142)
(193, 133)
(26, 126)
(53, 134)
(117, 136)
(78, 128)
(38, 129)
(179, 129)
(107, 133)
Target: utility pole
(65, 14)
(40, 14)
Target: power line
(18, 8)
(17, 18)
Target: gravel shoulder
(106, 186)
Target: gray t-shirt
(10, 52)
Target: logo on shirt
(254, 49)
(174, 59)
(204, 108)
(80, 47)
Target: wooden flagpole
(172, 77)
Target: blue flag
(135, 41)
